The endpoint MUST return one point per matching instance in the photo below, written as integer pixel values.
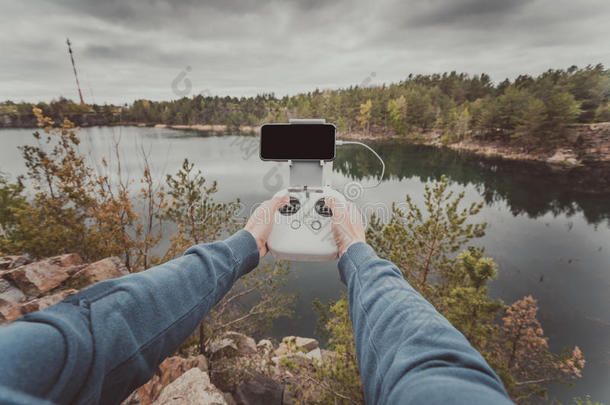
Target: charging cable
(339, 143)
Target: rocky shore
(584, 144)
(234, 368)
(589, 143)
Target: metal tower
(82, 102)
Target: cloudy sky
(136, 49)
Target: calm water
(550, 238)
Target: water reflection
(528, 188)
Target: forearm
(408, 352)
(115, 333)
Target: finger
(338, 208)
(354, 213)
(278, 202)
(263, 251)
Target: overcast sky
(133, 49)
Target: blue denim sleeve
(100, 344)
(408, 353)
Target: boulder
(231, 344)
(229, 398)
(264, 346)
(12, 262)
(306, 344)
(46, 301)
(169, 370)
(10, 301)
(260, 390)
(35, 279)
(245, 344)
(110, 267)
(315, 354)
(192, 387)
(223, 348)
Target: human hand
(260, 223)
(347, 225)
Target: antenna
(80, 94)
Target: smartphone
(283, 142)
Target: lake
(548, 234)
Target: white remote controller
(302, 228)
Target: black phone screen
(297, 142)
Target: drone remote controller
(302, 228)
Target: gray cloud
(129, 50)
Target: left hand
(260, 223)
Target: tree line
(528, 110)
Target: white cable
(339, 143)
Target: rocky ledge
(27, 287)
(235, 369)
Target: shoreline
(585, 144)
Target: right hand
(347, 225)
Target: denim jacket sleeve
(407, 352)
(100, 344)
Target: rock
(192, 387)
(232, 344)
(264, 347)
(46, 301)
(306, 344)
(245, 344)
(12, 262)
(564, 156)
(282, 349)
(223, 348)
(10, 301)
(315, 354)
(132, 399)
(34, 279)
(110, 267)
(5, 286)
(261, 390)
(169, 370)
(229, 398)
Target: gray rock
(12, 262)
(245, 344)
(10, 301)
(223, 348)
(315, 354)
(306, 344)
(265, 346)
(231, 344)
(192, 387)
(260, 390)
(229, 398)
